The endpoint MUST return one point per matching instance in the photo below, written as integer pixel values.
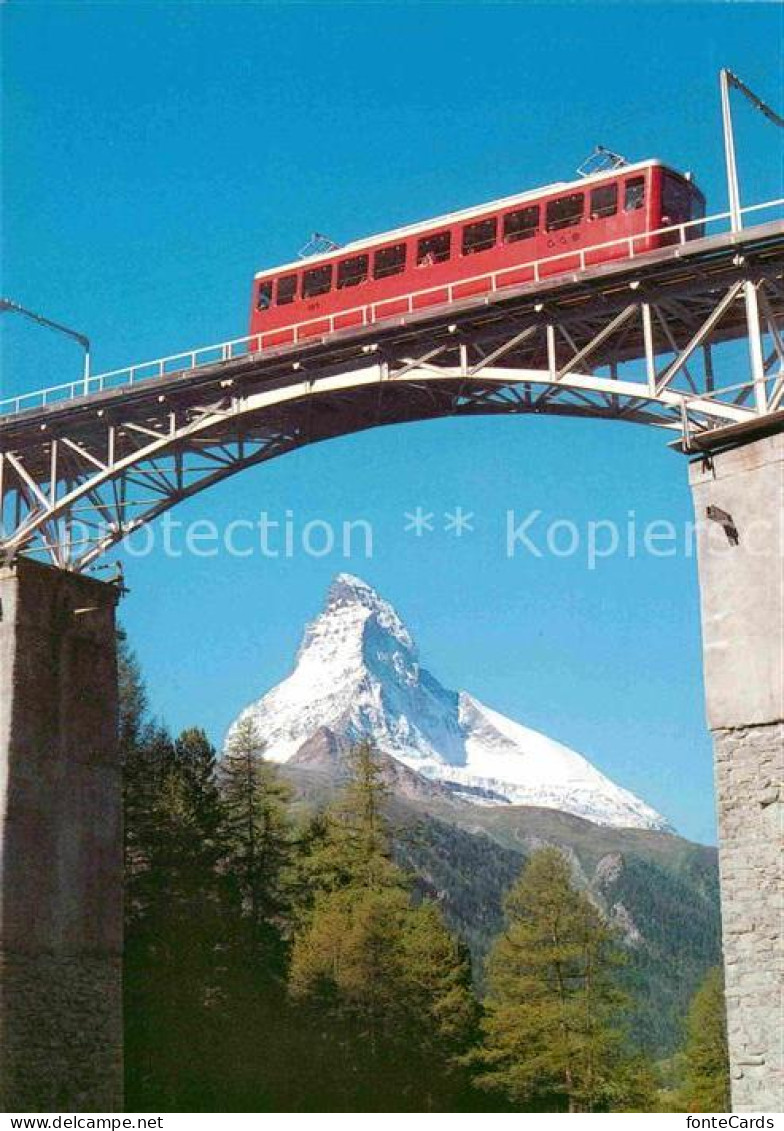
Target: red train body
(515, 240)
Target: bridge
(85, 463)
(688, 339)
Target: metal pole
(727, 80)
(736, 220)
(729, 152)
(7, 304)
(756, 359)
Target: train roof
(450, 218)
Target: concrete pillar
(739, 503)
(60, 839)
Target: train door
(637, 209)
(605, 223)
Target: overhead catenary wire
(757, 102)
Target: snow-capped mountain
(358, 674)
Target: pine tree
(132, 694)
(259, 836)
(551, 1028)
(193, 800)
(349, 844)
(176, 917)
(142, 755)
(707, 1071)
(174, 904)
(635, 1085)
(384, 990)
(440, 1011)
(362, 817)
(259, 865)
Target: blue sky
(156, 155)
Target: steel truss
(688, 339)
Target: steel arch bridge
(689, 339)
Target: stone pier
(739, 504)
(60, 839)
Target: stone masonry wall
(749, 776)
(739, 504)
(60, 839)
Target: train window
(634, 196)
(389, 261)
(317, 281)
(287, 290)
(352, 271)
(433, 249)
(565, 211)
(264, 298)
(522, 224)
(604, 201)
(479, 236)
(676, 199)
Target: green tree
(259, 837)
(259, 865)
(707, 1070)
(205, 905)
(144, 752)
(635, 1085)
(132, 694)
(176, 910)
(440, 1019)
(552, 1033)
(349, 844)
(384, 990)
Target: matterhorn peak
(346, 591)
(358, 675)
(345, 588)
(348, 587)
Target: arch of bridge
(118, 458)
(239, 432)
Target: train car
(518, 239)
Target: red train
(515, 240)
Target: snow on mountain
(358, 674)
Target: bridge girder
(639, 342)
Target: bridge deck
(691, 268)
(632, 340)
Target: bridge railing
(488, 282)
